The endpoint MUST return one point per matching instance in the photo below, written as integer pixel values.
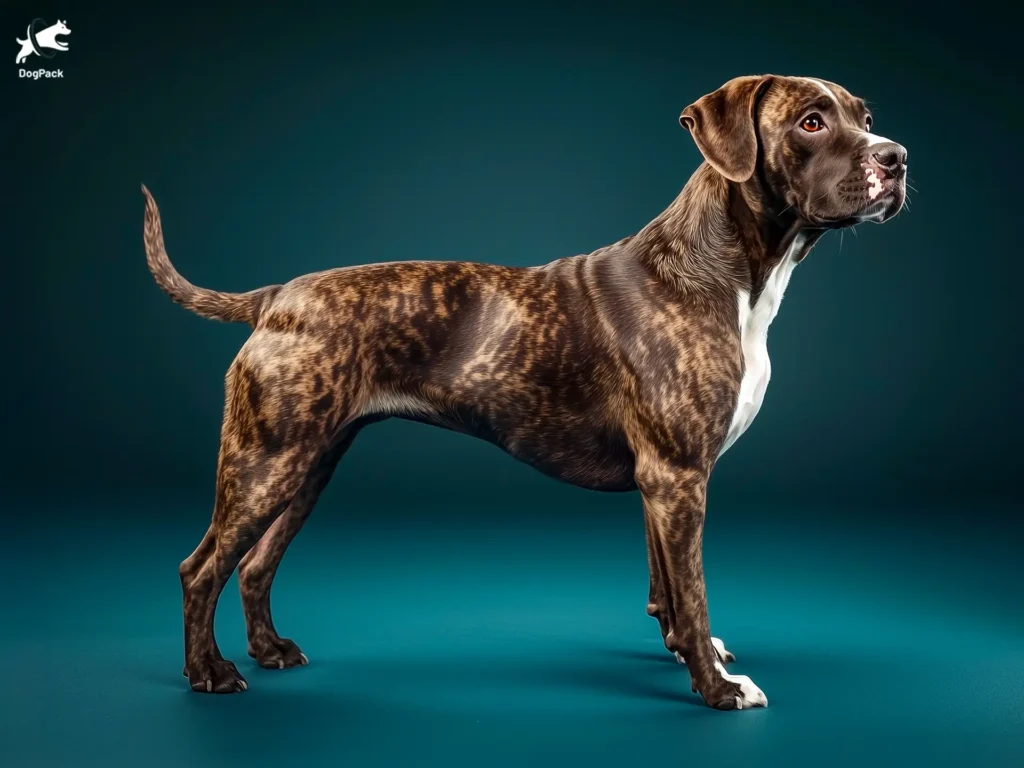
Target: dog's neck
(718, 237)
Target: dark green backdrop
(279, 142)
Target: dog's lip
(878, 211)
(877, 206)
(872, 212)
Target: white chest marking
(753, 323)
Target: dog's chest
(757, 369)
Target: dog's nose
(892, 157)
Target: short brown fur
(617, 370)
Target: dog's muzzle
(885, 168)
(885, 172)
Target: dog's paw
(218, 676)
(278, 654)
(724, 656)
(749, 695)
(735, 692)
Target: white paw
(750, 694)
(724, 655)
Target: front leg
(657, 602)
(674, 505)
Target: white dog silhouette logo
(40, 40)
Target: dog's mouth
(870, 184)
(885, 199)
(869, 194)
(878, 181)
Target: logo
(41, 40)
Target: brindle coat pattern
(617, 370)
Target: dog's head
(809, 143)
(48, 37)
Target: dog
(45, 38)
(634, 367)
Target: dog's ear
(723, 125)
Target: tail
(230, 307)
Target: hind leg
(253, 489)
(258, 568)
(271, 439)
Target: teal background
(863, 538)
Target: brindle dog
(633, 367)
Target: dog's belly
(581, 454)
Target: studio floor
(451, 642)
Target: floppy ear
(723, 125)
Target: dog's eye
(868, 122)
(812, 123)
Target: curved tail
(230, 307)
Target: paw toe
(281, 654)
(218, 677)
(750, 695)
